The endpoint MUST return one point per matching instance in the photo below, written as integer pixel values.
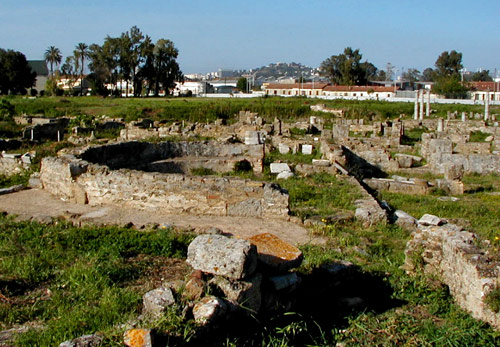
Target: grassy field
(70, 281)
(209, 109)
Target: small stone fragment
(156, 301)
(83, 341)
(209, 310)
(429, 219)
(138, 338)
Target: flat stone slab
(429, 219)
(276, 253)
(307, 149)
(222, 255)
(279, 167)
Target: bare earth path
(38, 204)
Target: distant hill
(277, 70)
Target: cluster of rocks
(232, 279)
(15, 163)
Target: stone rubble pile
(231, 279)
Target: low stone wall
(417, 187)
(140, 155)
(75, 179)
(450, 253)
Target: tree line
(347, 68)
(131, 57)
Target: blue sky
(247, 34)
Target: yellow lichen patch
(269, 244)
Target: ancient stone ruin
(451, 253)
(157, 176)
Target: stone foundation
(74, 177)
(450, 253)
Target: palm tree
(53, 56)
(81, 53)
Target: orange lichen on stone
(275, 252)
(137, 338)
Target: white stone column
(422, 104)
(415, 111)
(428, 106)
(487, 107)
(440, 124)
(464, 116)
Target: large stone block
(224, 256)
(275, 253)
(279, 167)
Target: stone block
(195, 286)
(156, 301)
(253, 138)
(307, 149)
(224, 256)
(209, 310)
(242, 293)
(93, 340)
(405, 220)
(285, 175)
(289, 282)
(321, 162)
(429, 219)
(453, 171)
(275, 253)
(138, 338)
(283, 149)
(279, 167)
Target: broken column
(487, 107)
(415, 110)
(440, 124)
(422, 104)
(428, 105)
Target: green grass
(319, 194)
(477, 210)
(478, 136)
(73, 280)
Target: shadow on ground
(324, 303)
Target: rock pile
(231, 279)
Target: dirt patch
(39, 205)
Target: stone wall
(440, 151)
(450, 253)
(149, 156)
(75, 179)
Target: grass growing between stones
(477, 211)
(319, 194)
(74, 281)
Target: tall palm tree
(81, 53)
(53, 56)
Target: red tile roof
(485, 86)
(377, 89)
(296, 85)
